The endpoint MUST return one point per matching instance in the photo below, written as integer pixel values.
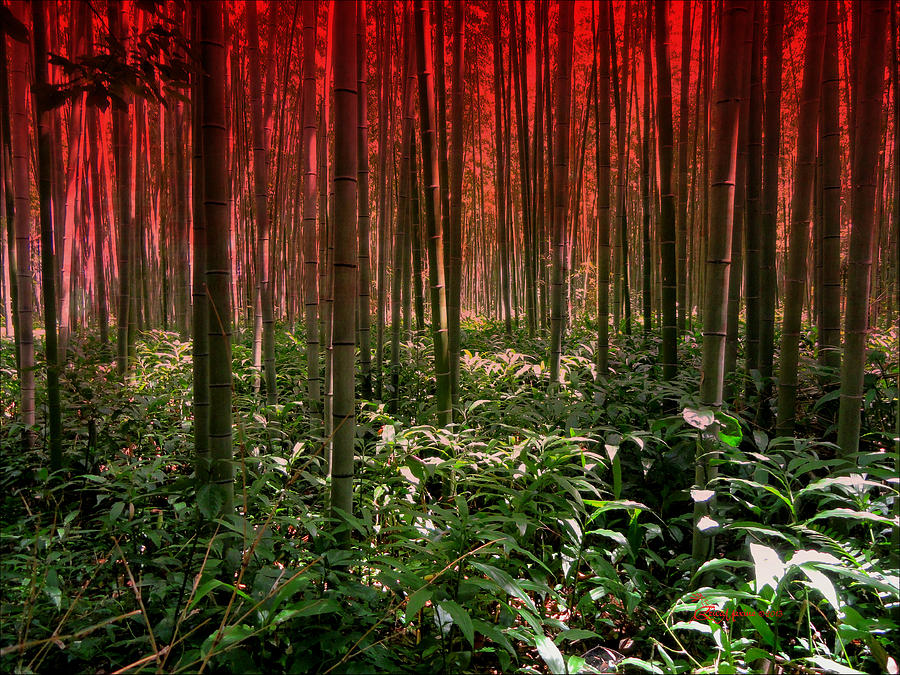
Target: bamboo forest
(449, 336)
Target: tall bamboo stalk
(48, 262)
(432, 204)
(725, 118)
(602, 131)
(801, 216)
(830, 317)
(563, 92)
(869, 102)
(18, 90)
(364, 310)
(457, 84)
(218, 264)
(668, 356)
(264, 339)
(768, 280)
(343, 335)
(310, 250)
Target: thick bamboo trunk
(457, 149)
(121, 134)
(602, 131)
(218, 264)
(343, 335)
(264, 339)
(830, 315)
(869, 102)
(363, 311)
(18, 91)
(683, 144)
(73, 190)
(434, 234)
(98, 231)
(200, 313)
(560, 182)
(499, 173)
(385, 189)
(9, 199)
(644, 135)
(668, 355)
(48, 263)
(400, 233)
(768, 281)
(752, 229)
(736, 273)
(801, 216)
(310, 250)
(724, 127)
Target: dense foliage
(540, 534)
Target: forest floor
(541, 533)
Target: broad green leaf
(417, 601)
(729, 430)
(116, 511)
(767, 565)
(494, 634)
(823, 584)
(699, 419)
(760, 624)
(761, 486)
(751, 526)
(231, 635)
(702, 495)
(462, 619)
(551, 654)
(707, 525)
(760, 439)
(574, 634)
(754, 653)
(830, 666)
(693, 625)
(889, 585)
(855, 483)
(640, 663)
(210, 501)
(617, 537)
(504, 581)
(574, 663)
(853, 515)
(203, 590)
(717, 563)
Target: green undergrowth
(537, 534)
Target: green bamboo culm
(218, 261)
(363, 218)
(18, 89)
(310, 251)
(868, 138)
(602, 131)
(724, 127)
(121, 126)
(768, 280)
(48, 261)
(560, 182)
(668, 355)
(343, 331)
(430, 174)
(830, 138)
(199, 313)
(264, 339)
(454, 282)
(401, 245)
(801, 216)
